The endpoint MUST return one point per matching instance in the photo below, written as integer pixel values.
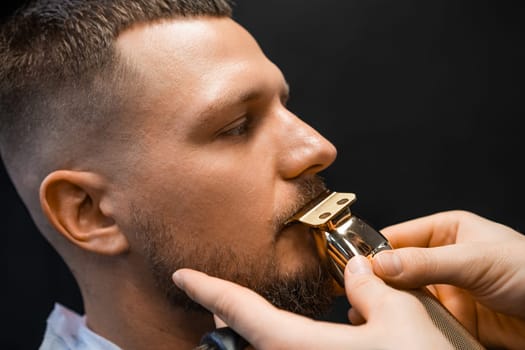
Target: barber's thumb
(363, 288)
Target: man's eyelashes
(238, 128)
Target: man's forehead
(183, 43)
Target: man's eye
(237, 128)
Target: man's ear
(77, 205)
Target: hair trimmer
(340, 235)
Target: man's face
(219, 162)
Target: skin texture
(215, 156)
(478, 263)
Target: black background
(423, 99)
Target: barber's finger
(355, 317)
(431, 230)
(383, 305)
(218, 322)
(368, 294)
(464, 266)
(363, 289)
(445, 228)
(260, 323)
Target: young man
(147, 136)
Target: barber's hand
(392, 319)
(484, 260)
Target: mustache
(307, 189)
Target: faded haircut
(61, 80)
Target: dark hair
(59, 71)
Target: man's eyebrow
(256, 93)
(243, 97)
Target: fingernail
(177, 278)
(359, 265)
(389, 263)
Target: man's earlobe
(75, 204)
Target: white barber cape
(66, 330)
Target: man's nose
(305, 151)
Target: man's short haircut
(61, 80)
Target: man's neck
(135, 319)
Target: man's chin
(306, 292)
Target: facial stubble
(307, 291)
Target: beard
(308, 291)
